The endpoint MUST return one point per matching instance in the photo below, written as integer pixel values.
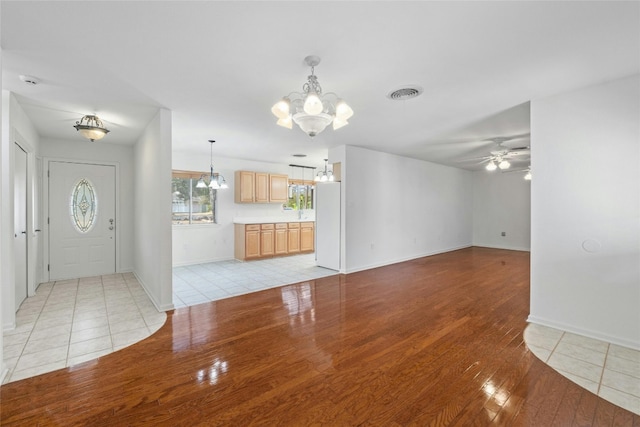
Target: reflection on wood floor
(437, 340)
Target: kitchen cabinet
(306, 236)
(247, 241)
(278, 188)
(244, 186)
(293, 238)
(253, 241)
(281, 247)
(267, 239)
(260, 187)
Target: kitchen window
(190, 204)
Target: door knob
(111, 227)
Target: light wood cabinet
(307, 237)
(244, 186)
(293, 237)
(278, 188)
(267, 240)
(247, 241)
(254, 241)
(281, 239)
(260, 187)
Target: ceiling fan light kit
(310, 109)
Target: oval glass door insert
(84, 206)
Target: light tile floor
(608, 370)
(72, 321)
(197, 284)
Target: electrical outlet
(503, 234)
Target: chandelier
(216, 181)
(91, 127)
(310, 109)
(324, 176)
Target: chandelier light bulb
(338, 123)
(214, 183)
(313, 104)
(281, 108)
(201, 183)
(286, 122)
(491, 166)
(527, 177)
(504, 165)
(343, 111)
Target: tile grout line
(75, 304)
(106, 310)
(24, 346)
(604, 363)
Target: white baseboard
(584, 332)
(202, 261)
(508, 248)
(159, 307)
(398, 260)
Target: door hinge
(48, 174)
(48, 267)
(48, 219)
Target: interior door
(82, 221)
(20, 223)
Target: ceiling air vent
(405, 93)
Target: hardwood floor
(434, 341)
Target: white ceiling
(219, 66)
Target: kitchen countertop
(270, 220)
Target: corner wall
(419, 209)
(152, 207)
(585, 219)
(501, 203)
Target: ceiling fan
(502, 156)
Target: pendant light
(91, 127)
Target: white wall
(152, 207)
(102, 151)
(194, 244)
(501, 202)
(421, 208)
(17, 128)
(585, 219)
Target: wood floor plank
(432, 341)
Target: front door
(20, 222)
(82, 220)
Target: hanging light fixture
(91, 127)
(324, 176)
(310, 109)
(216, 181)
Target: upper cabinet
(260, 187)
(278, 188)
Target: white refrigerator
(328, 224)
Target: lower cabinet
(306, 236)
(267, 247)
(254, 241)
(293, 237)
(281, 239)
